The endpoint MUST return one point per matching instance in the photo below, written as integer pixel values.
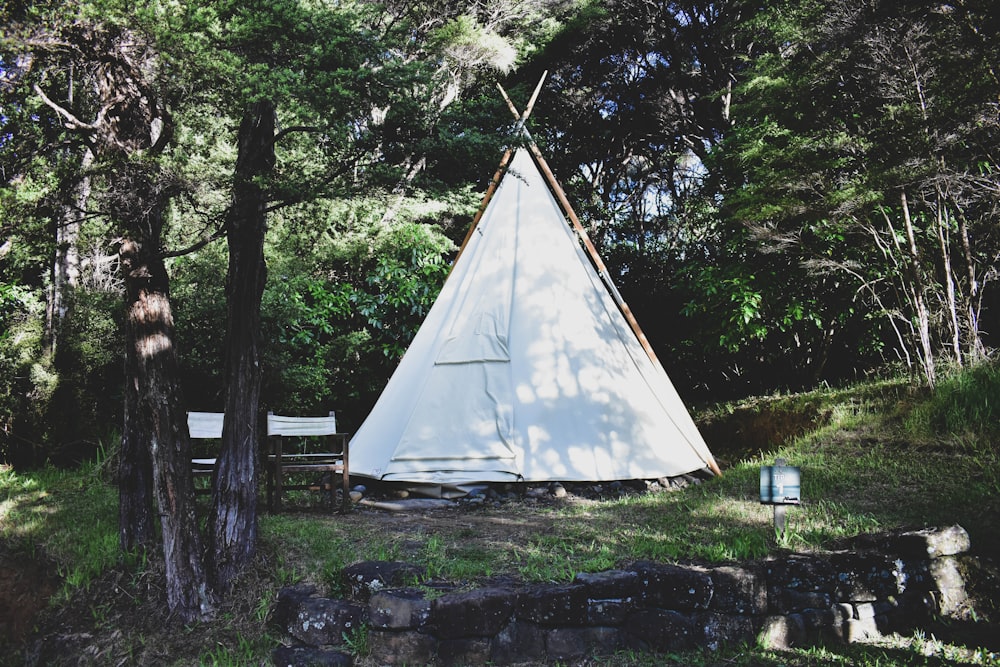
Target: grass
(69, 517)
(883, 456)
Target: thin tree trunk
(919, 300)
(233, 534)
(976, 348)
(890, 256)
(66, 262)
(949, 281)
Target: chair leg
(277, 490)
(345, 498)
(270, 488)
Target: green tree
(118, 114)
(863, 150)
(357, 91)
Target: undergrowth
(878, 457)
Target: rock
(673, 587)
(573, 644)
(677, 483)
(865, 576)
(782, 632)
(797, 582)
(289, 600)
(554, 604)
(398, 609)
(952, 597)
(926, 543)
(861, 630)
(518, 642)
(368, 577)
(324, 622)
(721, 629)
(401, 648)
(738, 590)
(611, 596)
(933, 543)
(465, 651)
(306, 656)
(659, 630)
(478, 613)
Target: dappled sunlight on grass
(71, 516)
(861, 473)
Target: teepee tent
(526, 368)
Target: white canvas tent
(526, 368)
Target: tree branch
(295, 128)
(72, 122)
(329, 178)
(198, 245)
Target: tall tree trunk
(136, 526)
(941, 220)
(233, 534)
(127, 135)
(149, 337)
(66, 262)
(919, 297)
(976, 348)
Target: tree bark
(160, 418)
(66, 262)
(136, 526)
(233, 534)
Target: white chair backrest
(205, 424)
(301, 426)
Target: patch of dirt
(26, 585)
(751, 430)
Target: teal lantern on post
(780, 486)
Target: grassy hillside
(875, 457)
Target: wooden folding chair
(332, 460)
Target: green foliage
(316, 552)
(28, 377)
(87, 402)
(199, 302)
(343, 310)
(358, 641)
(843, 112)
(245, 651)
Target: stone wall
(876, 585)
